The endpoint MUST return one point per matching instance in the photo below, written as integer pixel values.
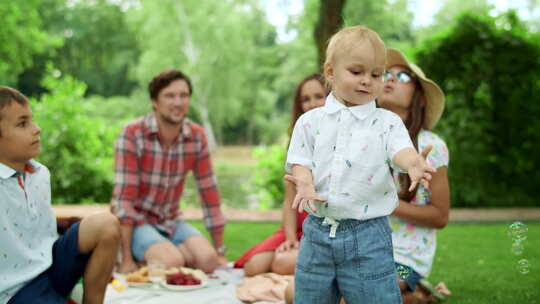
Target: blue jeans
(147, 235)
(357, 264)
(53, 285)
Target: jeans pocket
(304, 260)
(373, 259)
(384, 230)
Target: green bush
(268, 176)
(489, 69)
(77, 149)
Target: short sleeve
(301, 146)
(439, 156)
(397, 136)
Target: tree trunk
(210, 136)
(192, 54)
(330, 21)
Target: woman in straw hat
(419, 102)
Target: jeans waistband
(346, 224)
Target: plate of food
(184, 279)
(138, 278)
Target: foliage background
(86, 65)
(77, 148)
(489, 122)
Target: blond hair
(349, 37)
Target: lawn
(474, 260)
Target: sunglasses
(401, 76)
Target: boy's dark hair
(163, 79)
(8, 96)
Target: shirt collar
(151, 125)
(332, 105)
(30, 167)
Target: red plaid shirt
(149, 181)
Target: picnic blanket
(263, 287)
(221, 289)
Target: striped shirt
(149, 180)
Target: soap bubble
(524, 266)
(517, 231)
(517, 248)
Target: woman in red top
(278, 252)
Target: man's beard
(168, 120)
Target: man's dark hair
(163, 79)
(8, 96)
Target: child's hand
(420, 171)
(288, 245)
(305, 194)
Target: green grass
(240, 236)
(477, 263)
(474, 260)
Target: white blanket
(217, 291)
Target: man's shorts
(147, 235)
(55, 284)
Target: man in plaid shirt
(154, 153)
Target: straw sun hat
(434, 95)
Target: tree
(22, 38)
(220, 57)
(390, 19)
(77, 149)
(298, 57)
(98, 48)
(484, 66)
(452, 8)
(447, 15)
(329, 22)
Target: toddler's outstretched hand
(420, 171)
(305, 194)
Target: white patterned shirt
(27, 226)
(349, 151)
(415, 245)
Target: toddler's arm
(415, 164)
(290, 218)
(305, 190)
